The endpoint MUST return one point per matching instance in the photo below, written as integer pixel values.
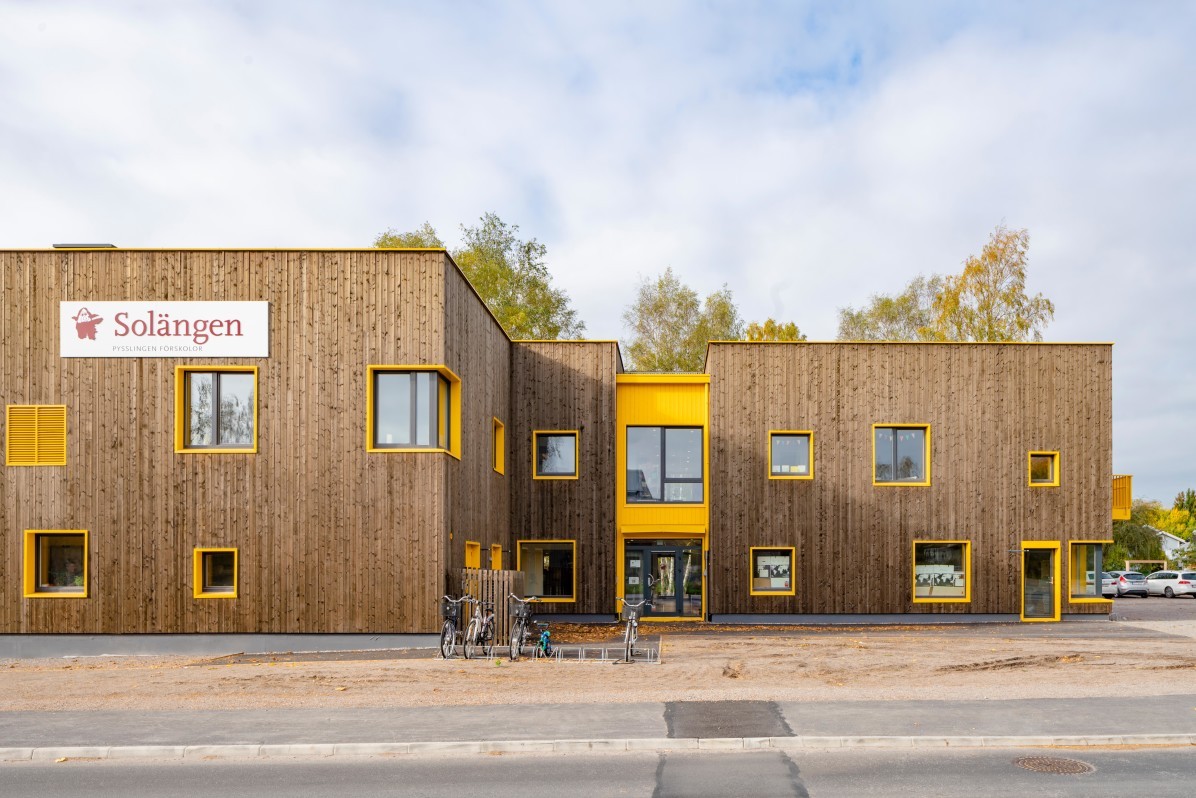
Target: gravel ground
(1093, 659)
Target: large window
(214, 573)
(554, 454)
(413, 409)
(548, 568)
(901, 454)
(664, 464)
(1086, 563)
(36, 435)
(791, 454)
(216, 409)
(1044, 469)
(772, 571)
(942, 571)
(55, 563)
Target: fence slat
(493, 586)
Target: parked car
(1130, 583)
(1108, 584)
(1171, 583)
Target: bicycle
(521, 619)
(450, 610)
(480, 634)
(632, 633)
(544, 643)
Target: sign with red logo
(164, 329)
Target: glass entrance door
(669, 571)
(1040, 581)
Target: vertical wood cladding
(988, 405)
(331, 539)
(567, 386)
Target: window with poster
(772, 571)
(942, 571)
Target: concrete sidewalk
(1169, 720)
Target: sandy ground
(780, 665)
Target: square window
(1044, 469)
(772, 571)
(215, 573)
(36, 435)
(554, 454)
(413, 409)
(791, 454)
(901, 454)
(548, 568)
(942, 571)
(500, 447)
(56, 563)
(665, 464)
(216, 409)
(1086, 563)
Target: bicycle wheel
(448, 636)
(487, 638)
(471, 638)
(628, 642)
(516, 638)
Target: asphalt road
(1155, 608)
(1160, 773)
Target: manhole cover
(1053, 764)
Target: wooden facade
(987, 406)
(333, 538)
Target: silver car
(1171, 583)
(1108, 584)
(1130, 583)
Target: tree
(907, 316)
(771, 330)
(988, 301)
(1131, 541)
(1186, 500)
(423, 236)
(509, 274)
(670, 327)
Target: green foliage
(1131, 541)
(509, 274)
(1186, 500)
(988, 301)
(907, 316)
(670, 327)
(423, 236)
(771, 330)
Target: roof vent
(84, 246)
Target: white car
(1171, 583)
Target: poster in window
(772, 571)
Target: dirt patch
(765, 665)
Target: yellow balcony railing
(1123, 496)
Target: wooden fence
(486, 585)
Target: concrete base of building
(902, 619)
(39, 646)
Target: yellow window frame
(926, 455)
(809, 434)
(181, 415)
(500, 446)
(197, 574)
(496, 556)
(1054, 482)
(1055, 580)
(473, 554)
(576, 453)
(454, 411)
(792, 591)
(967, 573)
(1100, 582)
(30, 564)
(35, 435)
(572, 599)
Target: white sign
(164, 329)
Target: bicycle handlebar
(635, 605)
(523, 601)
(452, 600)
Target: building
(321, 447)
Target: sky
(807, 155)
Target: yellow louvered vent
(36, 435)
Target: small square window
(56, 563)
(1044, 469)
(215, 573)
(554, 454)
(772, 571)
(901, 454)
(548, 568)
(791, 454)
(942, 571)
(216, 409)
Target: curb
(573, 746)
